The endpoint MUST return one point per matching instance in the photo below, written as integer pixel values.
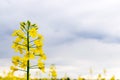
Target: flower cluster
(53, 71)
(29, 44)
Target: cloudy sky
(79, 34)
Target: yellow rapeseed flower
(43, 57)
(54, 74)
(14, 46)
(23, 63)
(41, 65)
(53, 71)
(18, 39)
(20, 49)
(38, 43)
(40, 37)
(18, 33)
(13, 68)
(29, 55)
(15, 60)
(15, 33)
(33, 32)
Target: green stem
(28, 70)
(22, 70)
(28, 62)
(19, 44)
(33, 66)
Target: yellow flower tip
(40, 37)
(28, 23)
(18, 33)
(35, 26)
(18, 39)
(15, 60)
(14, 33)
(14, 46)
(41, 65)
(22, 23)
(38, 42)
(44, 57)
(23, 63)
(33, 32)
(29, 55)
(42, 69)
(13, 68)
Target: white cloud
(82, 54)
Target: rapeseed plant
(29, 44)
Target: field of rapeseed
(53, 76)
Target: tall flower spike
(28, 43)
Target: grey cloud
(92, 35)
(5, 48)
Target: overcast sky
(79, 34)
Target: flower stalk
(28, 43)
(28, 72)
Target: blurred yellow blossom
(53, 71)
(13, 68)
(15, 60)
(41, 65)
